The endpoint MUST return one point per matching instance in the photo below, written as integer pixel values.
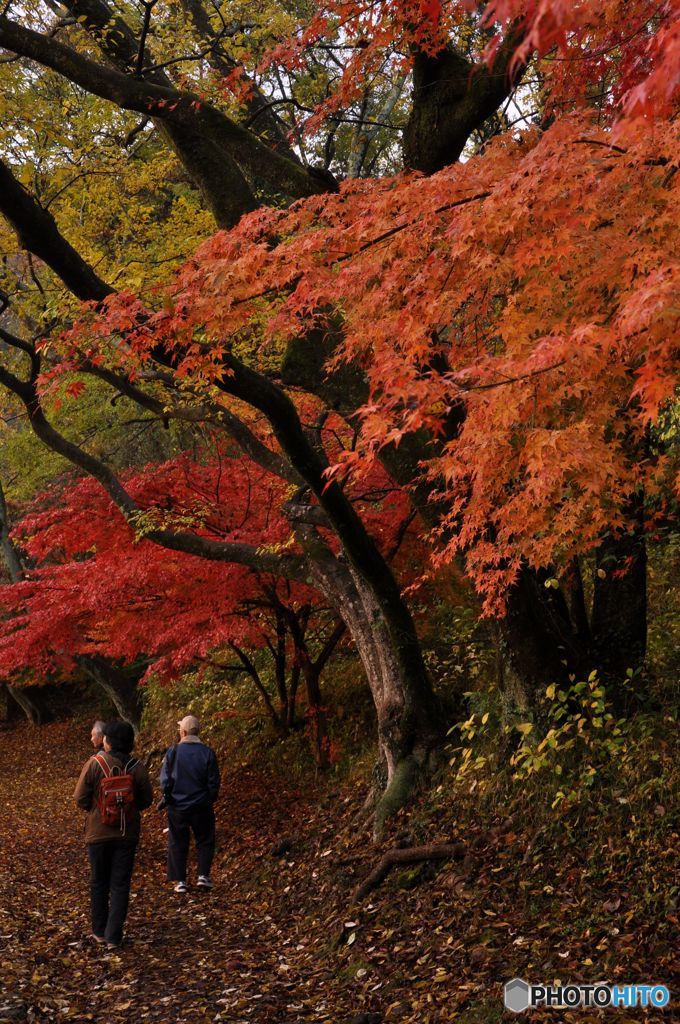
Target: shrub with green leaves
(573, 739)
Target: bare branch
(148, 7)
(412, 855)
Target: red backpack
(116, 795)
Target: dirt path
(279, 940)
(223, 956)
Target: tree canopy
(448, 231)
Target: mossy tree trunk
(408, 712)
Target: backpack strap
(103, 764)
(115, 769)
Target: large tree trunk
(10, 552)
(451, 98)
(537, 642)
(410, 724)
(541, 639)
(546, 640)
(31, 706)
(119, 685)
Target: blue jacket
(194, 775)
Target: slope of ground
(279, 940)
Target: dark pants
(181, 823)
(111, 864)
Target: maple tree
(26, 679)
(500, 333)
(101, 599)
(93, 589)
(554, 448)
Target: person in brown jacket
(96, 735)
(112, 847)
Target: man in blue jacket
(190, 781)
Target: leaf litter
(279, 941)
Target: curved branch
(291, 566)
(139, 63)
(247, 665)
(173, 106)
(219, 416)
(211, 167)
(37, 231)
(411, 855)
(255, 103)
(18, 343)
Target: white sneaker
(204, 882)
(181, 887)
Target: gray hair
(99, 727)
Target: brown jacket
(85, 796)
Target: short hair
(99, 727)
(120, 735)
(190, 725)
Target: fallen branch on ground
(412, 855)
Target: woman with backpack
(113, 788)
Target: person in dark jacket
(111, 847)
(190, 781)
